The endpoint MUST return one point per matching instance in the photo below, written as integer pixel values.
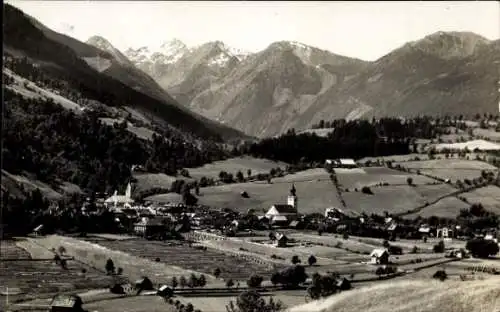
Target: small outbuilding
(66, 303)
(379, 256)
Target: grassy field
(369, 176)
(26, 278)
(315, 192)
(180, 254)
(488, 134)
(147, 181)
(131, 304)
(134, 267)
(233, 165)
(394, 199)
(396, 158)
(413, 296)
(140, 132)
(452, 169)
(488, 196)
(448, 207)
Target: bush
(441, 275)
(366, 190)
(481, 248)
(345, 235)
(312, 260)
(255, 281)
(295, 260)
(110, 267)
(439, 247)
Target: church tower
(292, 198)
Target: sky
(365, 30)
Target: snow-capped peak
(103, 44)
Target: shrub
(110, 267)
(312, 260)
(119, 271)
(409, 180)
(295, 259)
(414, 249)
(439, 247)
(481, 248)
(157, 260)
(366, 190)
(255, 281)
(345, 235)
(440, 274)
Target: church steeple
(292, 198)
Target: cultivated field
(134, 267)
(315, 192)
(488, 196)
(233, 165)
(180, 254)
(132, 304)
(394, 199)
(481, 145)
(488, 134)
(448, 207)
(25, 278)
(370, 176)
(453, 169)
(413, 296)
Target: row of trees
(352, 140)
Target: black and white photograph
(250, 156)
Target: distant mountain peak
(103, 44)
(450, 45)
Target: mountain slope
(406, 296)
(269, 91)
(293, 85)
(125, 85)
(444, 73)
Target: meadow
(233, 165)
(371, 176)
(488, 196)
(394, 199)
(315, 192)
(453, 169)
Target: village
(163, 246)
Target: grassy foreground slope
(413, 296)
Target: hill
(86, 68)
(292, 85)
(412, 296)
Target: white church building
(119, 201)
(284, 212)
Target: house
(343, 284)
(424, 231)
(281, 240)
(150, 226)
(66, 303)
(296, 224)
(444, 232)
(143, 284)
(165, 291)
(279, 221)
(121, 200)
(379, 256)
(38, 230)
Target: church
(284, 213)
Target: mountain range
(103, 73)
(292, 85)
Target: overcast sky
(365, 30)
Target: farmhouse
(66, 303)
(342, 163)
(379, 256)
(281, 240)
(444, 232)
(121, 200)
(147, 227)
(282, 212)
